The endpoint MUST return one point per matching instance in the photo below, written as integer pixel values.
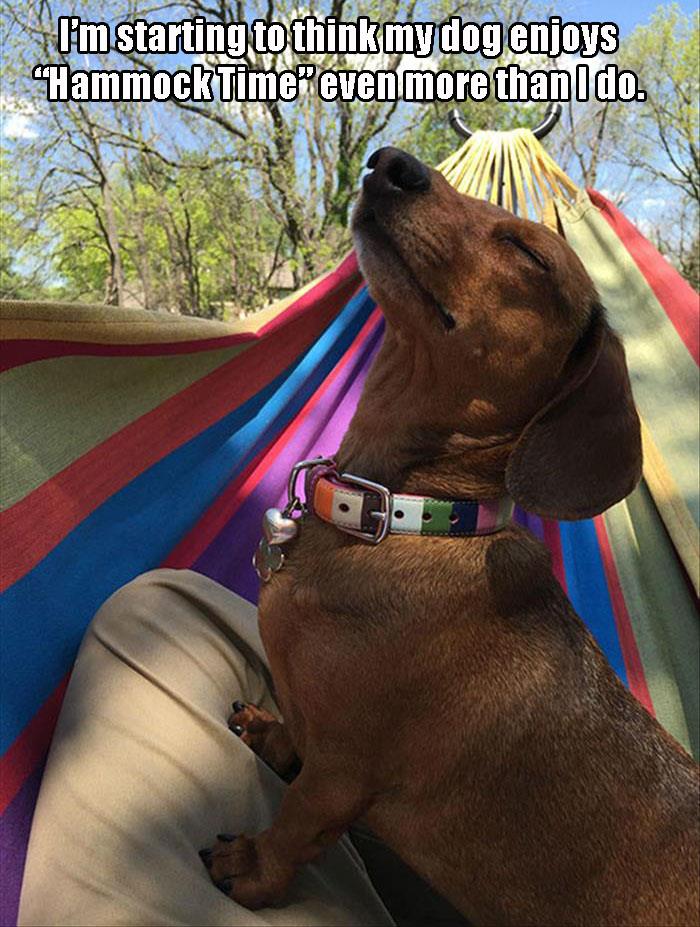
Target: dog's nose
(395, 169)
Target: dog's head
(511, 336)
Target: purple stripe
(14, 836)
(228, 558)
(531, 522)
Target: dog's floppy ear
(582, 452)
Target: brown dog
(442, 688)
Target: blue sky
(627, 14)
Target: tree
(196, 240)
(23, 247)
(193, 207)
(66, 159)
(660, 139)
(306, 158)
(91, 170)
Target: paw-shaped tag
(268, 559)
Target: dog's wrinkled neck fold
(387, 440)
(461, 468)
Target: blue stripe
(46, 612)
(467, 514)
(588, 588)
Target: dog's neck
(462, 468)
(386, 442)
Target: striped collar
(370, 511)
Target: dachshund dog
(439, 686)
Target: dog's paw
(241, 869)
(250, 723)
(265, 735)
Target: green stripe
(56, 410)
(439, 521)
(662, 612)
(664, 376)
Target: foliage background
(216, 209)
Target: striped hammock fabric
(133, 440)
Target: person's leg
(143, 769)
(319, 806)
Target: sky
(627, 14)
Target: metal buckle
(383, 516)
(294, 503)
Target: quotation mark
(305, 71)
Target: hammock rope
(531, 179)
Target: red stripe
(62, 502)
(30, 748)
(552, 539)
(217, 516)
(678, 298)
(346, 275)
(20, 351)
(625, 633)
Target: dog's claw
(226, 838)
(205, 856)
(238, 706)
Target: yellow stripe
(107, 325)
(662, 611)
(672, 508)
(81, 322)
(664, 375)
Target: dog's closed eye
(525, 249)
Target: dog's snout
(394, 169)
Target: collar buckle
(383, 516)
(294, 503)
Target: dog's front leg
(317, 808)
(266, 736)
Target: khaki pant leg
(143, 772)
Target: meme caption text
(223, 72)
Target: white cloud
(16, 117)
(654, 202)
(617, 197)
(17, 126)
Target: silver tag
(278, 528)
(268, 559)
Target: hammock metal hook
(552, 115)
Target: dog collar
(370, 511)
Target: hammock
(133, 440)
